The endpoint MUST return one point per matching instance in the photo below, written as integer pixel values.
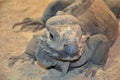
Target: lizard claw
(12, 61)
(91, 72)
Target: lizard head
(64, 35)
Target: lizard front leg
(99, 47)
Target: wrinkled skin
(114, 5)
(80, 35)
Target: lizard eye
(51, 36)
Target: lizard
(66, 37)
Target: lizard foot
(23, 57)
(91, 70)
(38, 24)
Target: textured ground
(11, 43)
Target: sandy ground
(13, 44)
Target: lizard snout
(70, 42)
(71, 49)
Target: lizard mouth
(62, 56)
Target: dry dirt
(13, 44)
